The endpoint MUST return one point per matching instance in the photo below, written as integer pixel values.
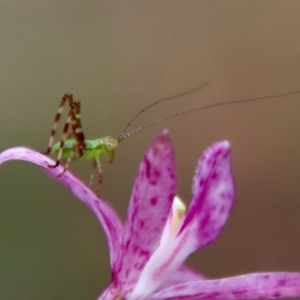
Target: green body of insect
(73, 145)
(93, 148)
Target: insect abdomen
(68, 146)
(93, 148)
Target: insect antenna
(124, 136)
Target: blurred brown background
(117, 57)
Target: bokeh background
(117, 57)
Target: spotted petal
(252, 286)
(213, 196)
(150, 205)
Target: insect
(73, 144)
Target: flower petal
(213, 196)
(206, 217)
(182, 275)
(105, 214)
(149, 208)
(252, 286)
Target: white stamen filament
(178, 213)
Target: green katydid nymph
(73, 144)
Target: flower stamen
(178, 214)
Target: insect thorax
(106, 145)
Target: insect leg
(92, 173)
(100, 174)
(66, 166)
(96, 164)
(70, 117)
(66, 97)
(78, 132)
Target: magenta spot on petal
(205, 234)
(127, 244)
(227, 195)
(147, 167)
(172, 175)
(142, 224)
(222, 210)
(136, 266)
(239, 292)
(152, 173)
(276, 295)
(213, 295)
(214, 175)
(155, 177)
(144, 253)
(281, 282)
(154, 201)
(135, 248)
(226, 154)
(171, 197)
(205, 220)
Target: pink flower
(147, 252)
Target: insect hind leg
(77, 130)
(70, 120)
(66, 98)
